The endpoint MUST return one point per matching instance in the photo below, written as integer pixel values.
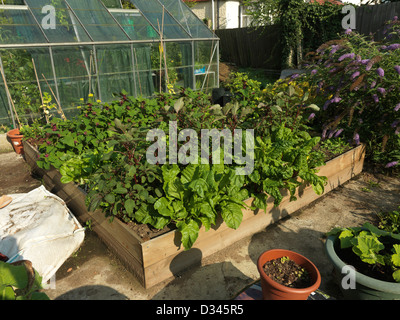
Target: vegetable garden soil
(287, 272)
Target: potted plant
(291, 276)
(374, 257)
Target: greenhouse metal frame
(73, 49)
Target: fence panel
(371, 19)
(250, 47)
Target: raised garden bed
(153, 260)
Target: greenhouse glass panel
(193, 25)
(18, 26)
(206, 64)
(135, 25)
(179, 64)
(160, 19)
(112, 3)
(97, 20)
(21, 82)
(12, 2)
(66, 29)
(76, 76)
(145, 77)
(5, 113)
(116, 72)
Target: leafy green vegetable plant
(283, 159)
(197, 194)
(372, 245)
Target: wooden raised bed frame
(160, 258)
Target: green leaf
(199, 186)
(345, 238)
(232, 214)
(120, 190)
(396, 275)
(162, 206)
(129, 206)
(189, 231)
(110, 198)
(68, 140)
(396, 256)
(367, 246)
(260, 201)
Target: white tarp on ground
(39, 227)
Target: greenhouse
(60, 54)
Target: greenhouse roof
(85, 22)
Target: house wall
(228, 15)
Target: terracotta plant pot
(272, 290)
(16, 140)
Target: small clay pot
(272, 290)
(16, 140)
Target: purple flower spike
(314, 71)
(326, 104)
(336, 100)
(348, 31)
(311, 116)
(397, 68)
(391, 164)
(347, 56)
(334, 49)
(375, 97)
(337, 134)
(373, 84)
(382, 91)
(355, 75)
(397, 107)
(357, 139)
(380, 72)
(395, 123)
(393, 46)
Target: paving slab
(94, 273)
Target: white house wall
(228, 13)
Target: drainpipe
(217, 14)
(213, 14)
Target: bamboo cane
(55, 98)
(40, 90)
(9, 95)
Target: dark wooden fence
(371, 19)
(250, 47)
(261, 48)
